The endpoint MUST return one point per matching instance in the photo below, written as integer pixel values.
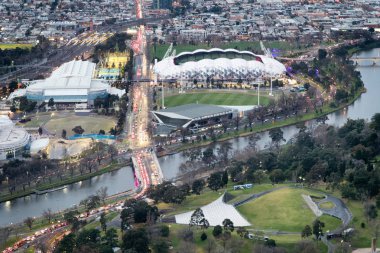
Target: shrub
(203, 236)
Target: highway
(147, 168)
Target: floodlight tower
(268, 53)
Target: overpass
(371, 60)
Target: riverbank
(266, 126)
(68, 181)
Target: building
(72, 82)
(12, 139)
(229, 64)
(194, 117)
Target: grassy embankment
(6, 46)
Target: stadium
(72, 82)
(191, 116)
(229, 64)
(12, 139)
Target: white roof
(38, 145)
(71, 78)
(10, 136)
(223, 67)
(215, 213)
(65, 92)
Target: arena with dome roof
(12, 139)
(228, 64)
(72, 82)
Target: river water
(33, 205)
(122, 180)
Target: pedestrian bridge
(365, 61)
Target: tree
(215, 181)
(78, 130)
(87, 237)
(103, 222)
(318, 229)
(217, 231)
(370, 211)
(277, 135)
(165, 231)
(111, 237)
(270, 243)
(161, 247)
(198, 186)
(322, 53)
(228, 225)
(64, 133)
(102, 194)
(136, 240)
(203, 236)
(276, 176)
(126, 217)
(306, 232)
(67, 244)
(198, 219)
(306, 246)
(29, 222)
(91, 202)
(225, 178)
(51, 102)
(375, 122)
(242, 232)
(48, 214)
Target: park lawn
(15, 45)
(283, 210)
(331, 222)
(215, 98)
(327, 205)
(362, 237)
(88, 123)
(191, 202)
(290, 241)
(240, 195)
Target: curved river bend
(122, 180)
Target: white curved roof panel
(248, 65)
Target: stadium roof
(10, 136)
(226, 64)
(74, 78)
(193, 111)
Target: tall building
(163, 4)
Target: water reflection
(33, 205)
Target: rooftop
(193, 111)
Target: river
(122, 180)
(33, 205)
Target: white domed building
(12, 139)
(228, 64)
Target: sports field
(89, 124)
(283, 210)
(54, 122)
(13, 46)
(215, 98)
(239, 45)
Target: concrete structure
(72, 82)
(191, 116)
(12, 139)
(215, 213)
